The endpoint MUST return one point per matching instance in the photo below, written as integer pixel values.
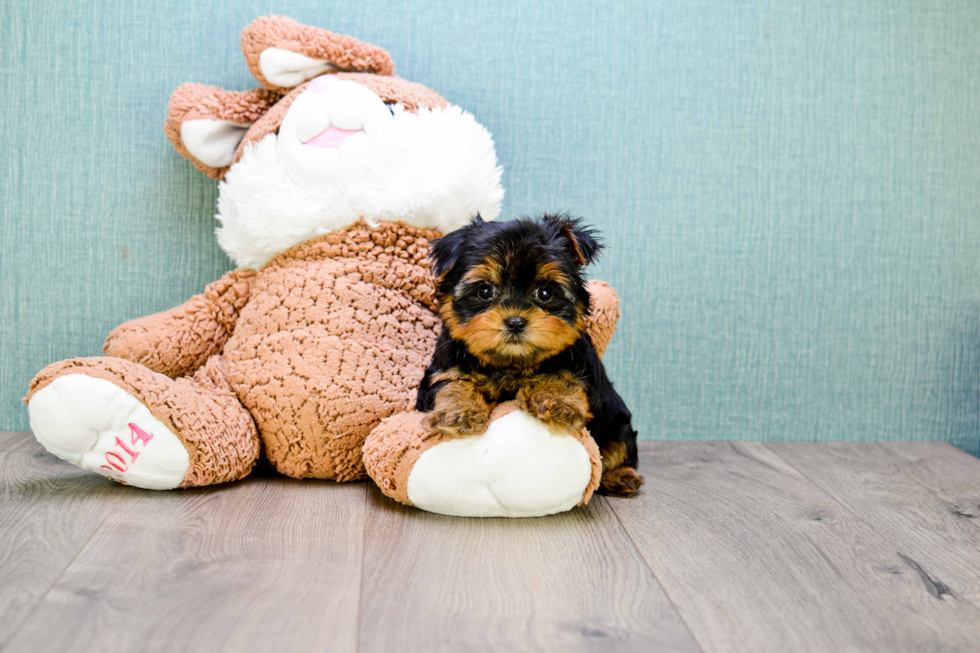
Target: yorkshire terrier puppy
(513, 304)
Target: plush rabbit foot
(518, 467)
(98, 426)
(118, 419)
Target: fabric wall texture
(790, 191)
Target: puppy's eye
(544, 294)
(485, 292)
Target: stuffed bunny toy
(335, 177)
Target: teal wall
(790, 191)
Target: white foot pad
(517, 468)
(95, 424)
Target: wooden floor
(730, 547)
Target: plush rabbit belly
(336, 176)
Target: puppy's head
(513, 292)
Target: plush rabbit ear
(206, 124)
(282, 53)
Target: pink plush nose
(324, 83)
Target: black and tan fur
(513, 304)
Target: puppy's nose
(515, 323)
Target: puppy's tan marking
(613, 455)
(488, 271)
(570, 234)
(620, 482)
(448, 315)
(551, 271)
(452, 374)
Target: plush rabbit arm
(179, 341)
(601, 323)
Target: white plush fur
(517, 468)
(79, 418)
(431, 169)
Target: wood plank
(266, 564)
(570, 582)
(923, 497)
(757, 558)
(955, 472)
(48, 511)
(17, 441)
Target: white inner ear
(212, 142)
(286, 68)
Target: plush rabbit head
(332, 137)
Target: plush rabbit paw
(518, 467)
(96, 425)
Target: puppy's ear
(583, 240)
(447, 250)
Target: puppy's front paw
(562, 406)
(458, 421)
(556, 411)
(460, 410)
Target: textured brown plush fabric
(342, 51)
(601, 323)
(392, 449)
(201, 410)
(596, 459)
(336, 336)
(179, 341)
